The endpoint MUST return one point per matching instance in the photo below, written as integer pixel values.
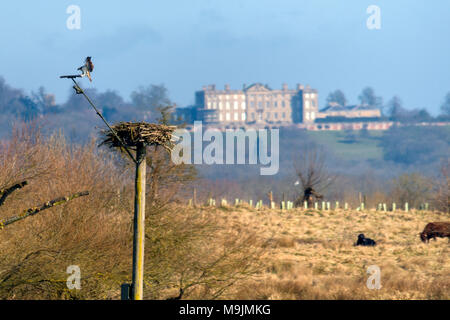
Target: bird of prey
(87, 68)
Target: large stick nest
(133, 134)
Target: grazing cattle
(363, 241)
(435, 229)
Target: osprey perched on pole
(87, 68)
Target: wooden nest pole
(139, 223)
(138, 136)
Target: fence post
(328, 206)
(337, 205)
(406, 207)
(362, 206)
(323, 205)
(316, 205)
(346, 206)
(305, 204)
(250, 203)
(394, 206)
(384, 207)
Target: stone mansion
(259, 105)
(254, 104)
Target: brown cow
(435, 229)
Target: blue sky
(188, 44)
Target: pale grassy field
(310, 254)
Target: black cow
(363, 241)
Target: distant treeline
(393, 110)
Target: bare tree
(313, 174)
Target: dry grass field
(310, 254)
(209, 252)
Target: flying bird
(87, 68)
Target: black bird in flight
(87, 68)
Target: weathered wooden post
(394, 206)
(406, 207)
(139, 223)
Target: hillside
(361, 147)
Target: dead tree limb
(35, 210)
(4, 193)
